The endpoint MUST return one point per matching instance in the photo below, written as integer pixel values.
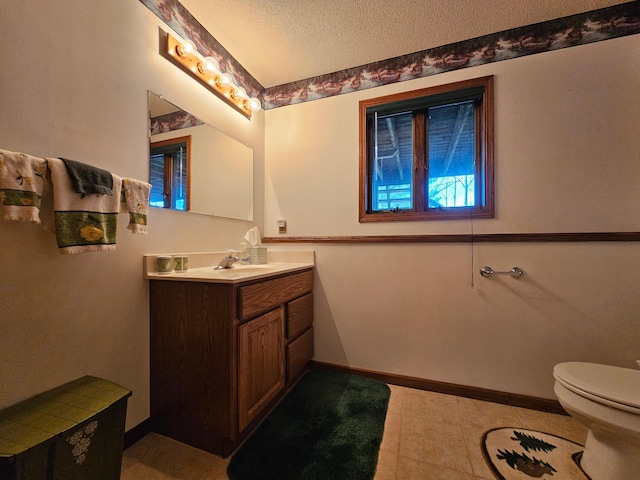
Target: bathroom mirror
(195, 167)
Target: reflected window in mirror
(170, 167)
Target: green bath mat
(328, 427)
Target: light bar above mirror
(184, 54)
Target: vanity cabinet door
(261, 365)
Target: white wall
(74, 83)
(566, 160)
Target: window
(428, 154)
(170, 161)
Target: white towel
(136, 201)
(83, 224)
(22, 183)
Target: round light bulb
(240, 93)
(189, 46)
(254, 104)
(186, 47)
(223, 80)
(210, 64)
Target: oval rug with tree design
(517, 453)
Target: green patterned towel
(83, 223)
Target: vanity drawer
(299, 352)
(263, 296)
(299, 315)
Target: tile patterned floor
(427, 435)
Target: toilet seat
(613, 386)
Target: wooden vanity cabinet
(223, 354)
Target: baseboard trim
(137, 433)
(505, 398)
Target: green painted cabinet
(73, 432)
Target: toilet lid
(612, 384)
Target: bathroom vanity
(225, 348)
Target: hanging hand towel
(136, 200)
(87, 179)
(22, 183)
(86, 224)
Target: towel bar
(515, 272)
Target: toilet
(606, 399)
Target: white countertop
(201, 267)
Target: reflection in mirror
(170, 162)
(195, 167)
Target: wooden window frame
(169, 171)
(484, 130)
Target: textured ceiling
(281, 41)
